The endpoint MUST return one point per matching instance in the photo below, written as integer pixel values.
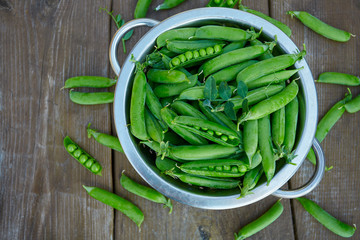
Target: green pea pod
(271, 104)
(229, 73)
(229, 3)
(222, 33)
(92, 98)
(256, 160)
(209, 130)
(262, 222)
(202, 181)
(154, 105)
(339, 78)
(340, 228)
(174, 139)
(202, 152)
(166, 76)
(144, 192)
(137, 106)
(168, 116)
(167, 52)
(167, 4)
(234, 46)
(169, 90)
(182, 46)
(268, 66)
(327, 122)
(104, 139)
(265, 146)
(197, 93)
(178, 34)
(166, 164)
(250, 138)
(234, 57)
(277, 23)
(320, 27)
(142, 7)
(153, 127)
(255, 96)
(186, 109)
(89, 81)
(291, 120)
(227, 122)
(268, 54)
(278, 127)
(115, 201)
(251, 178)
(82, 157)
(166, 101)
(215, 168)
(353, 106)
(215, 3)
(273, 78)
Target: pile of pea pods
(217, 106)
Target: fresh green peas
(217, 48)
(339, 78)
(141, 8)
(89, 81)
(196, 54)
(202, 52)
(182, 58)
(92, 98)
(144, 192)
(210, 50)
(182, 46)
(175, 61)
(265, 146)
(189, 55)
(167, 4)
(120, 204)
(81, 156)
(340, 228)
(320, 27)
(262, 222)
(197, 93)
(353, 105)
(104, 139)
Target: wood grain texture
(338, 192)
(41, 195)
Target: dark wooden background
(44, 42)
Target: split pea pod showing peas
(92, 98)
(81, 156)
(182, 46)
(262, 222)
(166, 76)
(202, 152)
(222, 33)
(233, 57)
(178, 34)
(104, 139)
(169, 90)
(268, 66)
(202, 181)
(144, 192)
(209, 130)
(266, 148)
(320, 27)
(331, 223)
(216, 168)
(271, 104)
(115, 201)
(89, 81)
(339, 78)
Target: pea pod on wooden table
(92, 98)
(339, 78)
(144, 192)
(167, 4)
(89, 81)
(353, 106)
(82, 157)
(115, 201)
(104, 139)
(141, 8)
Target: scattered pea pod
(115, 201)
(320, 27)
(262, 222)
(339, 78)
(81, 156)
(141, 8)
(331, 223)
(144, 192)
(167, 4)
(353, 105)
(92, 98)
(89, 81)
(104, 139)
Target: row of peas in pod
(217, 105)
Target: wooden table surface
(42, 43)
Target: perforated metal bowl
(143, 162)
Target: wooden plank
(41, 44)
(338, 192)
(187, 222)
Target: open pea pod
(209, 130)
(216, 168)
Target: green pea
(218, 168)
(224, 138)
(83, 158)
(218, 133)
(202, 52)
(95, 167)
(227, 168)
(211, 168)
(210, 132)
(217, 1)
(209, 50)
(242, 168)
(189, 55)
(197, 127)
(217, 48)
(182, 58)
(89, 163)
(229, 2)
(71, 148)
(234, 169)
(204, 128)
(204, 168)
(196, 54)
(175, 61)
(232, 137)
(77, 153)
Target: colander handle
(314, 181)
(120, 34)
